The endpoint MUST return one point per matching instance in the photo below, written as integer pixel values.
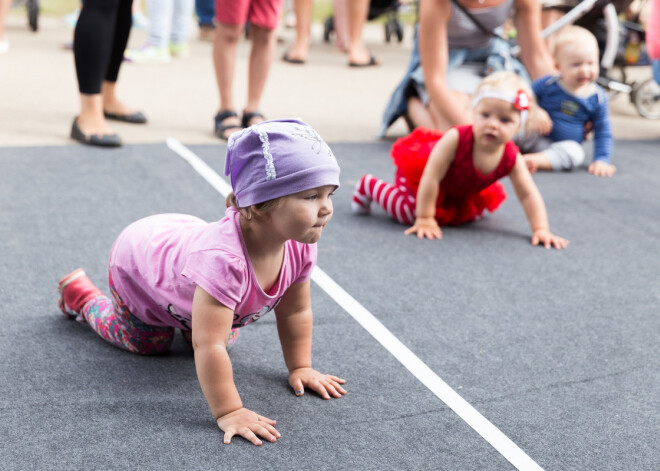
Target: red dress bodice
(464, 192)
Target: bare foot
(296, 53)
(92, 124)
(112, 105)
(361, 56)
(230, 125)
(532, 166)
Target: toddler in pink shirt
(174, 271)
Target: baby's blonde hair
(574, 37)
(508, 81)
(248, 213)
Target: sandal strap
(248, 116)
(220, 117)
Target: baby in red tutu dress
(451, 178)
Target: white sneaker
(181, 50)
(139, 20)
(4, 46)
(148, 54)
(71, 19)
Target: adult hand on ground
(324, 385)
(547, 239)
(425, 227)
(249, 425)
(601, 169)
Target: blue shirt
(569, 114)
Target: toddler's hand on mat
(547, 239)
(324, 385)
(425, 227)
(601, 169)
(249, 425)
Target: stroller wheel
(646, 97)
(33, 14)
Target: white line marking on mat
(371, 324)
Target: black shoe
(103, 140)
(133, 118)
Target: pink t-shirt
(157, 262)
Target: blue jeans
(495, 56)
(169, 22)
(655, 66)
(205, 10)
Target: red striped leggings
(396, 199)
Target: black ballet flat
(99, 140)
(133, 118)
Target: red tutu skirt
(410, 154)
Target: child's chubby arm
(211, 325)
(534, 207)
(442, 155)
(601, 167)
(294, 326)
(542, 121)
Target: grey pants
(563, 155)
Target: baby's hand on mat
(248, 425)
(425, 227)
(601, 169)
(547, 239)
(324, 385)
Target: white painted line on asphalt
(216, 181)
(371, 324)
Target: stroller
(32, 7)
(622, 45)
(377, 8)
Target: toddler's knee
(575, 154)
(565, 155)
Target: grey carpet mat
(558, 349)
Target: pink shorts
(263, 13)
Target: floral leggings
(112, 320)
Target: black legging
(99, 42)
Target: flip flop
(291, 60)
(372, 61)
(220, 128)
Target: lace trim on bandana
(265, 145)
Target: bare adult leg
(111, 103)
(358, 54)
(122, 30)
(261, 58)
(224, 60)
(419, 114)
(440, 121)
(4, 11)
(297, 51)
(340, 16)
(548, 17)
(91, 119)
